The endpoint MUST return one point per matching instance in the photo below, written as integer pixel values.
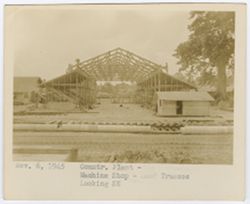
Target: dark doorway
(179, 107)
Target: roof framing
(118, 65)
(127, 65)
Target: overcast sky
(47, 39)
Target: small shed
(188, 103)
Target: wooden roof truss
(118, 64)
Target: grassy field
(123, 147)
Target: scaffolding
(78, 85)
(157, 82)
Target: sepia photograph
(123, 85)
(139, 101)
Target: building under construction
(78, 85)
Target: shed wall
(198, 108)
(166, 107)
(192, 108)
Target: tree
(34, 98)
(209, 50)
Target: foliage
(34, 98)
(209, 51)
(39, 81)
(118, 90)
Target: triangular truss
(79, 83)
(118, 65)
(76, 86)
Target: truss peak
(118, 64)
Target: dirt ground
(122, 147)
(108, 112)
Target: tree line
(207, 57)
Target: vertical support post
(147, 91)
(64, 87)
(159, 82)
(164, 83)
(171, 84)
(155, 79)
(77, 101)
(144, 94)
(80, 89)
(145, 84)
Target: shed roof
(26, 84)
(185, 96)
